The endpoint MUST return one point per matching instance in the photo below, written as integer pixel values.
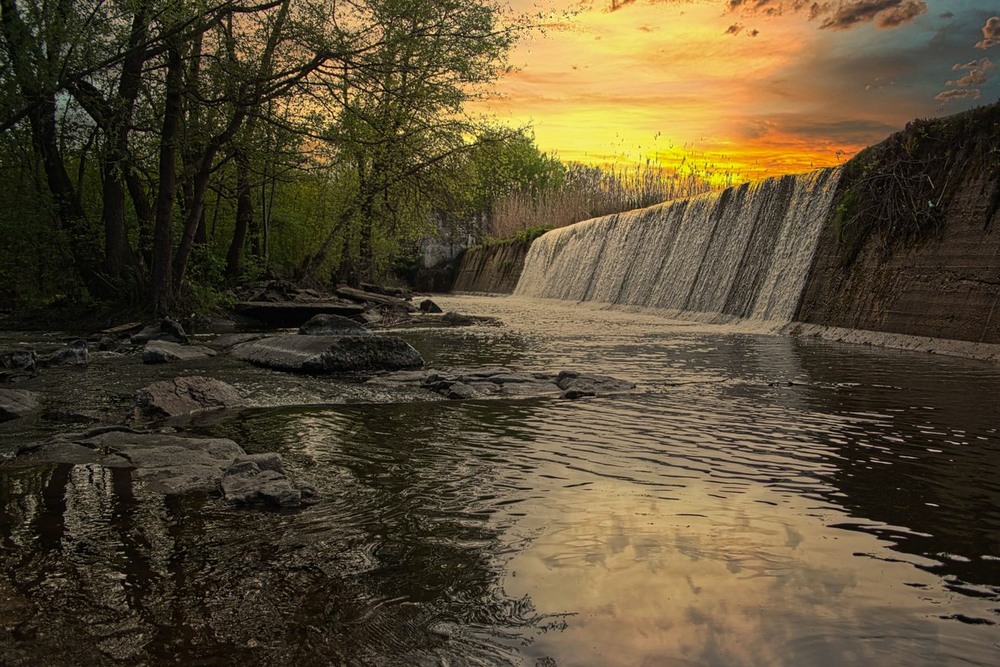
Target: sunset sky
(754, 87)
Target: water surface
(757, 500)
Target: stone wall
(945, 285)
(493, 268)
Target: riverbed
(757, 499)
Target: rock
(428, 306)
(184, 396)
(166, 330)
(246, 484)
(165, 464)
(330, 354)
(285, 314)
(74, 354)
(460, 390)
(16, 403)
(226, 341)
(107, 344)
(159, 352)
(267, 461)
(332, 325)
(578, 385)
(24, 360)
(372, 317)
(457, 319)
(502, 382)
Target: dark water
(759, 500)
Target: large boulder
(332, 325)
(160, 352)
(16, 403)
(330, 354)
(166, 330)
(260, 479)
(184, 396)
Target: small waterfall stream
(742, 253)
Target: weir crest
(742, 253)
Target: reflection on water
(760, 500)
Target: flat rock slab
(161, 351)
(288, 314)
(226, 341)
(330, 354)
(175, 465)
(184, 396)
(333, 325)
(16, 403)
(500, 382)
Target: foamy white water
(743, 253)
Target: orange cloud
(991, 33)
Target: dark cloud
(734, 29)
(991, 33)
(884, 13)
(947, 15)
(813, 127)
(839, 15)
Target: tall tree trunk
(117, 251)
(161, 287)
(118, 255)
(244, 213)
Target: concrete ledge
(944, 346)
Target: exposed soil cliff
(911, 245)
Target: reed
(587, 191)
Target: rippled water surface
(758, 500)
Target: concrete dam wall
(901, 240)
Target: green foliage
(897, 193)
(521, 236)
(336, 130)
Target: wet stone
(160, 352)
(184, 396)
(165, 330)
(74, 354)
(16, 403)
(332, 325)
(465, 383)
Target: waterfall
(742, 253)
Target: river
(757, 500)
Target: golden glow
(664, 82)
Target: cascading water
(743, 253)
